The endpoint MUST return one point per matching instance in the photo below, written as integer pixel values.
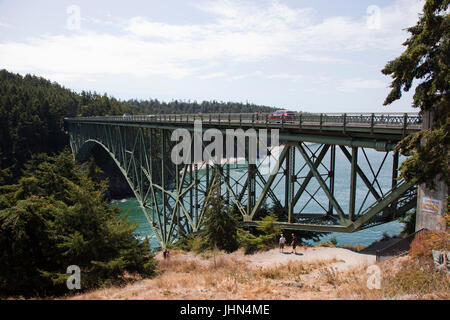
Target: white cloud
(349, 34)
(213, 75)
(239, 77)
(288, 76)
(239, 32)
(98, 21)
(92, 53)
(319, 58)
(246, 75)
(4, 25)
(351, 85)
(140, 27)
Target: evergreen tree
(280, 214)
(57, 216)
(220, 226)
(264, 238)
(427, 60)
(409, 221)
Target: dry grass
(356, 248)
(401, 278)
(410, 277)
(231, 276)
(325, 244)
(427, 241)
(291, 270)
(228, 278)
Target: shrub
(330, 275)
(409, 220)
(426, 241)
(267, 237)
(418, 278)
(250, 242)
(333, 241)
(356, 247)
(325, 244)
(59, 217)
(185, 242)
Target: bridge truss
(174, 198)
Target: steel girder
(174, 198)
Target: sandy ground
(347, 259)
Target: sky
(313, 56)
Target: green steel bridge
(174, 197)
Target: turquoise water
(131, 207)
(366, 236)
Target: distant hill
(32, 109)
(154, 106)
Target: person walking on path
(282, 242)
(294, 244)
(166, 254)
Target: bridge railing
(371, 120)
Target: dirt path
(347, 259)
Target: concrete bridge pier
(432, 206)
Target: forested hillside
(154, 106)
(54, 212)
(32, 110)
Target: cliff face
(118, 186)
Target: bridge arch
(160, 201)
(83, 154)
(174, 197)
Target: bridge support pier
(432, 205)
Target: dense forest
(53, 211)
(57, 215)
(32, 110)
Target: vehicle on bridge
(282, 116)
(174, 198)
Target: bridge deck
(391, 127)
(174, 198)
(378, 131)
